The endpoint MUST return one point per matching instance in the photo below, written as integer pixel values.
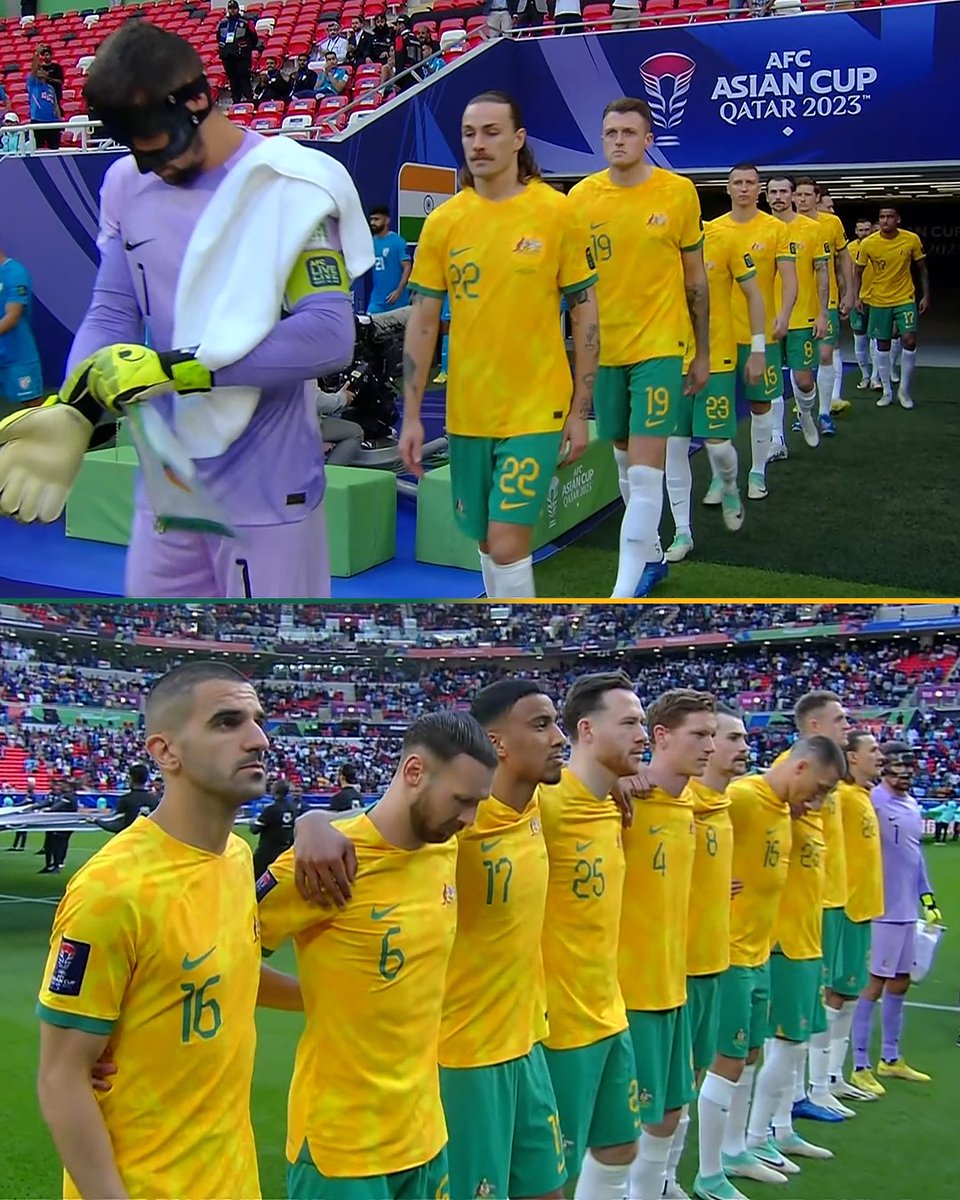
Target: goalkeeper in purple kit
(906, 885)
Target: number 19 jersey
(505, 266)
(156, 944)
(365, 1094)
(582, 923)
(761, 855)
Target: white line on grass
(933, 1007)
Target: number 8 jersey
(156, 944)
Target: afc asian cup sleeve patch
(265, 885)
(70, 967)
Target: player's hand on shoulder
(325, 861)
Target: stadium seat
(265, 124)
(303, 106)
(267, 107)
(597, 18)
(654, 9)
(240, 110)
(297, 121)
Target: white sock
(622, 461)
(783, 1117)
(486, 570)
(648, 1169)
(837, 373)
(735, 1134)
(713, 1111)
(840, 1037)
(861, 348)
(723, 463)
(776, 413)
(799, 1090)
(805, 400)
(825, 387)
(677, 1144)
(512, 581)
(639, 536)
(760, 426)
(819, 1062)
(874, 351)
(774, 1078)
(883, 370)
(907, 369)
(679, 482)
(598, 1181)
(896, 353)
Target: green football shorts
(712, 412)
(851, 967)
(501, 479)
(771, 385)
(703, 1009)
(744, 1001)
(428, 1182)
(858, 320)
(882, 320)
(801, 349)
(833, 328)
(639, 400)
(794, 997)
(661, 1047)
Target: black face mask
(170, 116)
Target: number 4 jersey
(365, 1095)
(505, 266)
(156, 944)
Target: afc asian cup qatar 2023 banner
(877, 86)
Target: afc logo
(666, 80)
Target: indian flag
(421, 189)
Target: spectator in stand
(349, 795)
(382, 39)
(407, 53)
(530, 14)
(335, 42)
(236, 42)
(4, 98)
(305, 80)
(359, 43)
(53, 71)
(271, 83)
(626, 14)
(13, 139)
(433, 60)
(333, 79)
(44, 104)
(499, 18)
(568, 16)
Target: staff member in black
(56, 842)
(349, 795)
(236, 42)
(275, 826)
(140, 801)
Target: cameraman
(344, 438)
(44, 101)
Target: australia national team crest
(449, 893)
(70, 967)
(528, 246)
(666, 79)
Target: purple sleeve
(114, 313)
(923, 876)
(315, 340)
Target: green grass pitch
(899, 1148)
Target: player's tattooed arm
(857, 283)
(585, 319)
(823, 284)
(924, 284)
(698, 297)
(419, 346)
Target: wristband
(758, 344)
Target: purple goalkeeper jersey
(273, 473)
(905, 876)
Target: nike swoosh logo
(486, 847)
(189, 963)
(581, 846)
(136, 245)
(506, 505)
(597, 224)
(379, 913)
(462, 250)
(657, 828)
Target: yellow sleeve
(92, 955)
(823, 254)
(786, 249)
(577, 268)
(429, 274)
(916, 250)
(691, 231)
(281, 910)
(839, 240)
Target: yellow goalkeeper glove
(931, 913)
(123, 374)
(41, 450)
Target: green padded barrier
(576, 493)
(360, 507)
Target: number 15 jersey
(761, 856)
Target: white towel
(239, 258)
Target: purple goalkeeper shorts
(891, 948)
(263, 562)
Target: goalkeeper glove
(41, 450)
(122, 374)
(931, 913)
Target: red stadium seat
(302, 105)
(267, 107)
(263, 124)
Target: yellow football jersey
(831, 230)
(810, 248)
(582, 923)
(659, 848)
(866, 279)
(505, 266)
(861, 837)
(708, 935)
(768, 242)
(835, 855)
(799, 923)
(638, 236)
(761, 854)
(891, 259)
(726, 269)
(365, 1094)
(156, 943)
(493, 1006)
